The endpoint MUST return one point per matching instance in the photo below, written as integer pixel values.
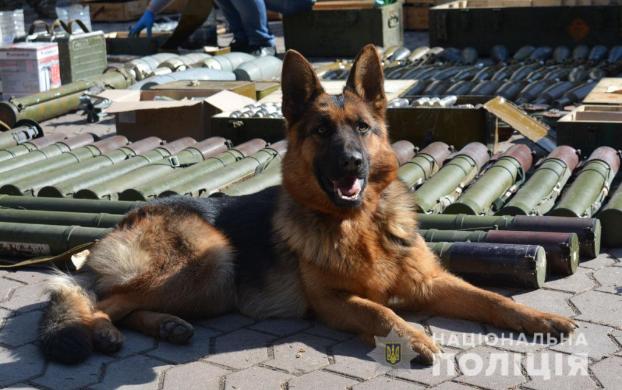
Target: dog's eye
(321, 130)
(362, 127)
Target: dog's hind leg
(159, 325)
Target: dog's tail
(65, 329)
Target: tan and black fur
(337, 241)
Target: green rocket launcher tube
(490, 191)
(494, 264)
(611, 218)
(67, 218)
(178, 177)
(31, 184)
(425, 164)
(66, 204)
(23, 132)
(538, 194)
(404, 151)
(589, 189)
(30, 146)
(270, 177)
(447, 184)
(562, 249)
(77, 155)
(588, 229)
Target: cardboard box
(29, 67)
(138, 116)
(188, 89)
(109, 11)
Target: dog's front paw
(534, 321)
(425, 347)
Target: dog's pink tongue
(349, 186)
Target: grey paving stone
(255, 377)
(137, 372)
(319, 329)
(384, 382)
(26, 298)
(321, 380)
(241, 349)
(589, 339)
(442, 370)
(19, 364)
(452, 386)
(197, 348)
(194, 376)
(609, 372)
(610, 279)
(553, 370)
(28, 276)
(21, 328)
(599, 307)
(513, 341)
(601, 261)
(6, 287)
(280, 327)
(578, 282)
(456, 333)
(351, 359)
(549, 301)
(228, 322)
(135, 343)
(300, 353)
(21, 386)
(61, 377)
(4, 315)
(490, 368)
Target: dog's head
(339, 157)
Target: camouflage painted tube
(494, 187)
(67, 205)
(28, 240)
(562, 249)
(79, 154)
(588, 229)
(31, 184)
(446, 185)
(22, 133)
(49, 151)
(95, 185)
(404, 151)
(178, 177)
(425, 164)
(30, 146)
(589, 189)
(537, 196)
(271, 176)
(504, 265)
(611, 218)
(67, 218)
(211, 182)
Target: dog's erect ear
(300, 86)
(367, 79)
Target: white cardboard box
(29, 67)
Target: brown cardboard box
(188, 89)
(137, 116)
(108, 11)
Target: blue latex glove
(145, 21)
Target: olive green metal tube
(67, 218)
(270, 177)
(206, 184)
(20, 134)
(180, 176)
(490, 191)
(425, 164)
(47, 152)
(29, 240)
(504, 265)
(404, 151)
(71, 186)
(31, 184)
(538, 194)
(589, 189)
(65, 204)
(30, 146)
(588, 229)
(611, 218)
(77, 155)
(447, 184)
(562, 249)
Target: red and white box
(29, 67)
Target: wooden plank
(343, 4)
(607, 91)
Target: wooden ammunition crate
(590, 126)
(516, 23)
(342, 32)
(116, 11)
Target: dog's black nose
(351, 160)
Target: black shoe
(262, 51)
(236, 45)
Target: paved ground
(235, 352)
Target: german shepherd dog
(338, 240)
